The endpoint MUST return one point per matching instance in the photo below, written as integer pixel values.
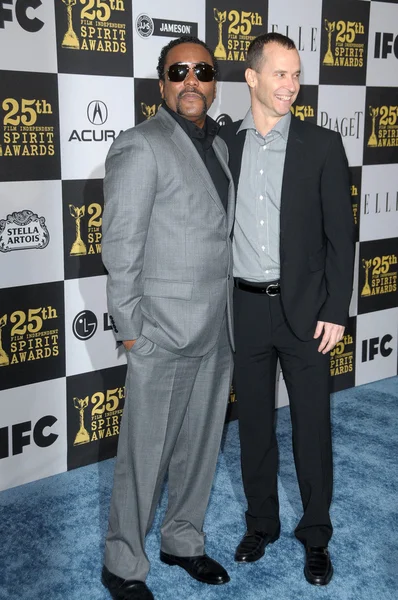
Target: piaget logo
(24, 133)
(342, 357)
(99, 30)
(384, 133)
(234, 38)
(104, 420)
(302, 112)
(345, 47)
(31, 338)
(92, 242)
(380, 275)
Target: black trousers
(262, 335)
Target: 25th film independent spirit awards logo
(344, 42)
(95, 403)
(306, 106)
(94, 37)
(147, 99)
(32, 344)
(355, 192)
(381, 126)
(342, 359)
(83, 205)
(378, 263)
(230, 27)
(29, 138)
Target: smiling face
(190, 98)
(275, 86)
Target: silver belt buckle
(272, 289)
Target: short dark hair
(255, 54)
(185, 39)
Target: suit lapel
(293, 167)
(219, 152)
(189, 153)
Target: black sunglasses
(203, 72)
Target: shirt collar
(208, 132)
(282, 126)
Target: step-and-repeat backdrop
(74, 74)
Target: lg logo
(19, 436)
(372, 347)
(22, 7)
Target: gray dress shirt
(257, 222)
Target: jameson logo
(384, 129)
(25, 129)
(235, 32)
(99, 415)
(380, 275)
(23, 230)
(31, 336)
(96, 28)
(345, 44)
(147, 26)
(342, 357)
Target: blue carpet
(52, 531)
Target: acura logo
(97, 112)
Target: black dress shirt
(203, 139)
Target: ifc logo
(144, 26)
(84, 325)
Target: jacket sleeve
(338, 225)
(129, 194)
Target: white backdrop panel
(34, 415)
(36, 265)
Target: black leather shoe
(252, 546)
(125, 589)
(203, 568)
(318, 568)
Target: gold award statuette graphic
(366, 288)
(374, 112)
(148, 111)
(82, 436)
(70, 40)
(4, 360)
(328, 59)
(78, 247)
(220, 51)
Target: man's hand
(128, 344)
(332, 334)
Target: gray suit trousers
(173, 420)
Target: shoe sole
(319, 584)
(173, 563)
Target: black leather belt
(271, 289)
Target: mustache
(183, 92)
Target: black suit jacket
(316, 224)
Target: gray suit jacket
(166, 239)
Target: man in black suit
(293, 261)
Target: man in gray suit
(167, 222)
